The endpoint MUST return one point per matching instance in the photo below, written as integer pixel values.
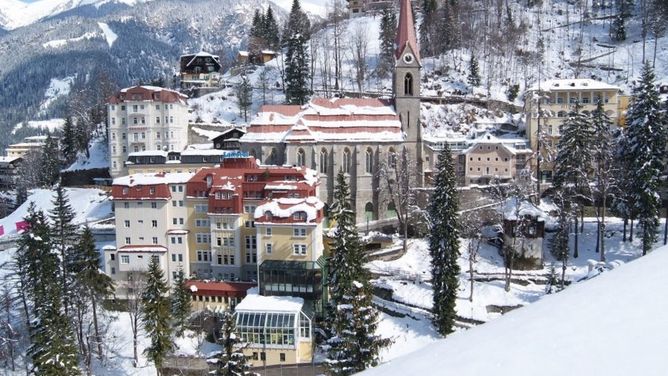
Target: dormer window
(209, 181)
(126, 190)
(269, 215)
(299, 216)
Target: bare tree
(471, 229)
(135, 288)
(336, 19)
(359, 48)
(8, 334)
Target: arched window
(346, 161)
(301, 157)
(392, 158)
(369, 160)
(408, 84)
(324, 158)
(368, 212)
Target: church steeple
(406, 32)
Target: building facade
(199, 70)
(557, 99)
(9, 171)
(143, 118)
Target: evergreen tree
(604, 150)
(573, 164)
(474, 72)
(448, 29)
(646, 145)
(444, 243)
(256, 38)
(180, 303)
(353, 344)
(50, 162)
(90, 279)
(272, 34)
(428, 27)
(244, 96)
(69, 142)
(297, 72)
(231, 361)
(388, 29)
(64, 236)
(156, 315)
(618, 29)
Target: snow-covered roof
(573, 84)
(286, 207)
(154, 179)
(4, 159)
(513, 145)
(148, 153)
(259, 303)
(614, 324)
(510, 208)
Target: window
(369, 161)
(127, 240)
(201, 208)
(174, 221)
(155, 259)
(299, 232)
(154, 223)
(282, 357)
(154, 205)
(126, 205)
(268, 247)
(301, 157)
(408, 84)
(125, 259)
(268, 231)
(202, 238)
(203, 256)
(155, 240)
(249, 224)
(112, 257)
(126, 223)
(113, 270)
(299, 249)
(299, 216)
(202, 223)
(173, 257)
(249, 209)
(180, 257)
(323, 161)
(392, 158)
(346, 161)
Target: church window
(392, 158)
(323, 161)
(408, 84)
(369, 160)
(346, 161)
(301, 157)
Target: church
(354, 135)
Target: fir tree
(64, 236)
(444, 243)
(573, 164)
(156, 315)
(256, 39)
(50, 162)
(297, 72)
(95, 284)
(244, 96)
(388, 29)
(69, 142)
(603, 173)
(231, 361)
(272, 34)
(474, 74)
(353, 344)
(618, 29)
(180, 303)
(646, 144)
(428, 27)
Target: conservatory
(275, 328)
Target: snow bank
(261, 303)
(109, 34)
(50, 125)
(613, 325)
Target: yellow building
(559, 97)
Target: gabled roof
(406, 31)
(148, 93)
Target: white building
(151, 222)
(145, 118)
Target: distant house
(523, 231)
(29, 144)
(8, 171)
(257, 58)
(229, 140)
(217, 294)
(199, 70)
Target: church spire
(406, 31)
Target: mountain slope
(614, 324)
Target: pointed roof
(406, 31)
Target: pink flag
(2, 230)
(22, 226)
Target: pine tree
(91, 280)
(297, 72)
(444, 243)
(573, 164)
(50, 162)
(256, 38)
(646, 134)
(353, 344)
(474, 73)
(604, 177)
(428, 27)
(156, 315)
(388, 27)
(69, 142)
(180, 303)
(244, 96)
(231, 361)
(52, 350)
(618, 29)
(272, 34)
(64, 236)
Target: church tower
(407, 84)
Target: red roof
(406, 31)
(148, 93)
(213, 288)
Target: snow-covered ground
(614, 324)
(89, 205)
(99, 157)
(408, 280)
(109, 34)
(47, 126)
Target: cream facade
(145, 118)
(557, 99)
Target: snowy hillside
(612, 325)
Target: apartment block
(550, 102)
(143, 118)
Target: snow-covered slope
(614, 324)
(15, 14)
